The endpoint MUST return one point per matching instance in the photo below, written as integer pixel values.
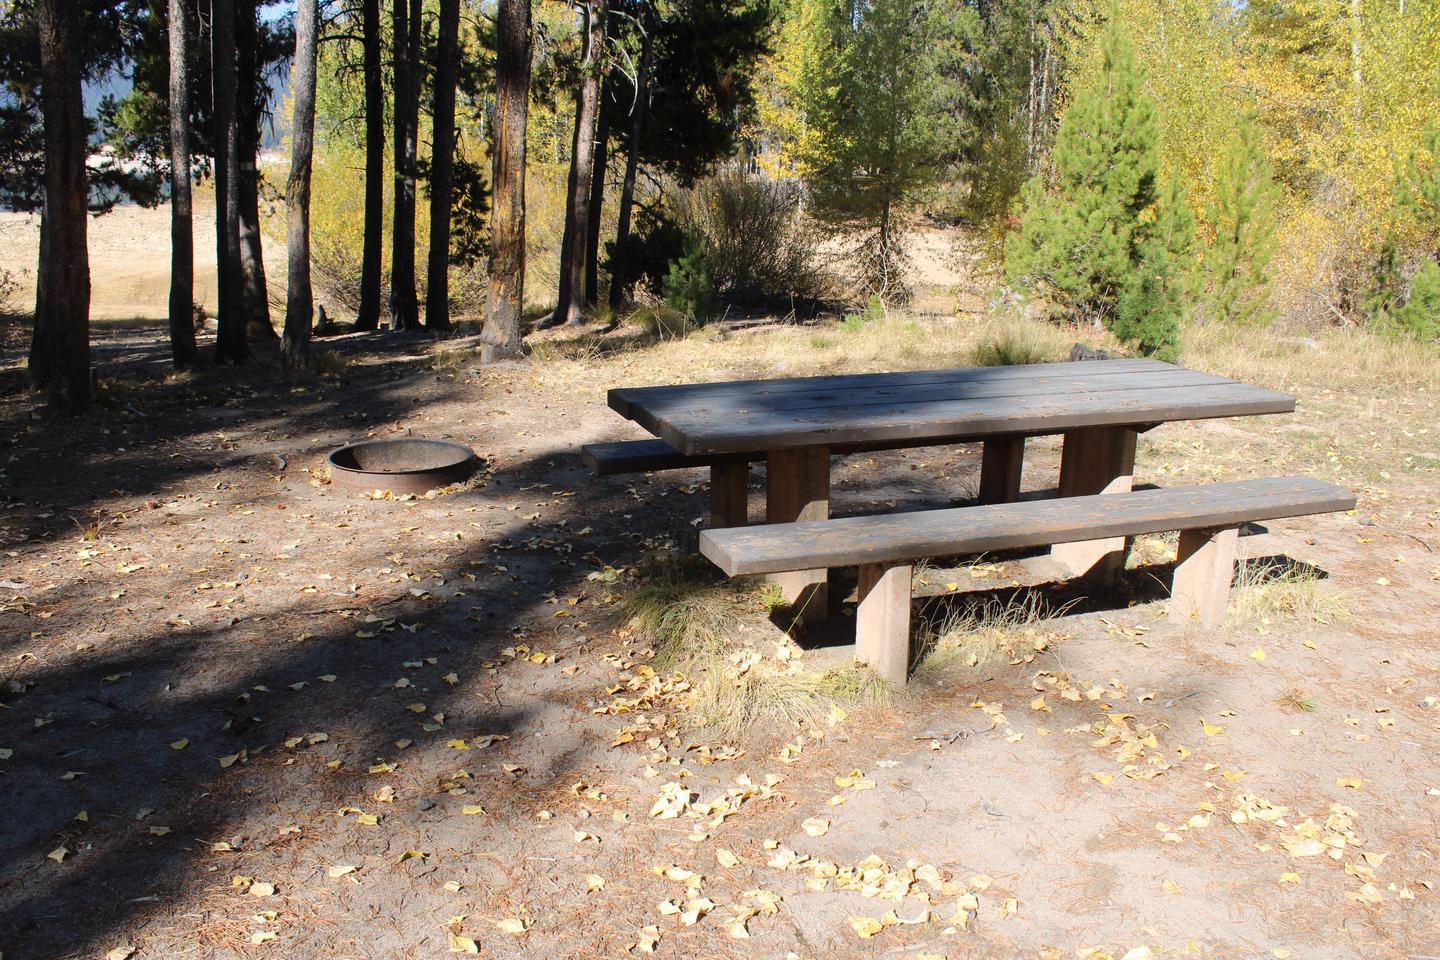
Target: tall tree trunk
(500, 338)
(442, 167)
(231, 344)
(570, 307)
(299, 301)
(368, 316)
(42, 356)
(67, 301)
(597, 196)
(404, 308)
(249, 114)
(183, 352)
(632, 157)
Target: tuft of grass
(1297, 699)
(328, 363)
(1266, 589)
(685, 619)
(763, 696)
(985, 632)
(1007, 349)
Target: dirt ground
(244, 714)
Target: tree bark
(41, 362)
(299, 300)
(570, 306)
(597, 197)
(404, 308)
(249, 103)
(368, 316)
(183, 352)
(231, 344)
(500, 337)
(442, 167)
(66, 326)
(632, 156)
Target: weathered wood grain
(882, 620)
(1001, 462)
(952, 421)
(1204, 567)
(797, 488)
(1096, 460)
(897, 537)
(622, 398)
(728, 403)
(643, 456)
(729, 494)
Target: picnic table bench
(1099, 407)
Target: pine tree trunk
(627, 190)
(183, 352)
(404, 307)
(231, 344)
(299, 300)
(597, 199)
(41, 361)
(442, 166)
(256, 294)
(500, 338)
(67, 299)
(368, 316)
(570, 307)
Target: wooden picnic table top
(935, 406)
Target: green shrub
(688, 289)
(759, 248)
(1419, 316)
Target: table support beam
(1001, 463)
(729, 494)
(1204, 569)
(1096, 460)
(882, 620)
(797, 487)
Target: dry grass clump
(986, 632)
(766, 693)
(700, 625)
(1297, 699)
(1265, 589)
(686, 614)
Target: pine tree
(883, 123)
(1419, 317)
(1157, 299)
(1243, 214)
(1082, 243)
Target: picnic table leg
(1204, 568)
(797, 487)
(729, 494)
(882, 620)
(1001, 462)
(1096, 460)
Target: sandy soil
(245, 715)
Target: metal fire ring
(411, 465)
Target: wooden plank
(882, 620)
(641, 456)
(729, 494)
(733, 403)
(621, 399)
(889, 538)
(1204, 567)
(1096, 460)
(797, 489)
(952, 422)
(1001, 462)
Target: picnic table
(795, 424)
